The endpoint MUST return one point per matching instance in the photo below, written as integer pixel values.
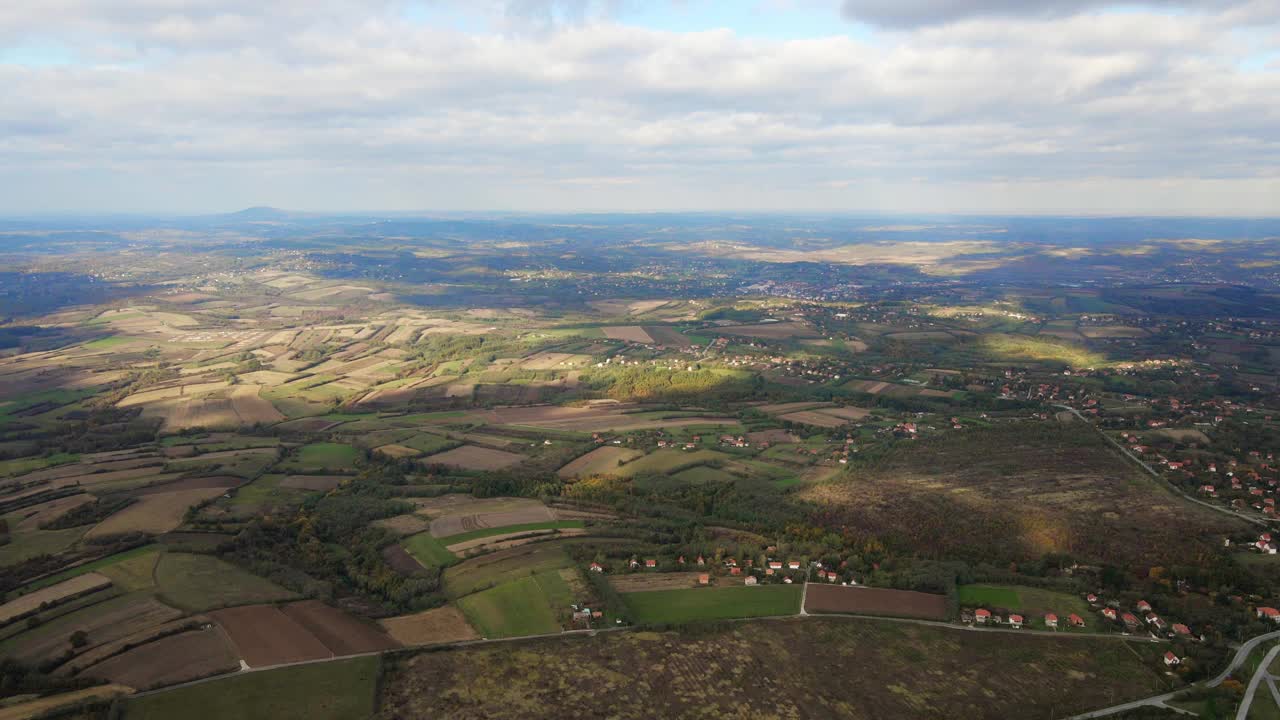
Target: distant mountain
(261, 213)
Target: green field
(512, 609)
(526, 527)
(28, 544)
(428, 550)
(1039, 349)
(26, 465)
(665, 461)
(680, 606)
(342, 690)
(99, 564)
(1027, 599)
(481, 572)
(703, 474)
(323, 457)
(202, 582)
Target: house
(1129, 619)
(680, 560)
(634, 563)
(981, 615)
(786, 580)
(1051, 620)
(1144, 606)
(775, 564)
(1269, 613)
(751, 580)
(735, 570)
(704, 579)
(1180, 629)
(831, 576)
(650, 563)
(1015, 621)
(1170, 659)
(1075, 620)
(597, 567)
(1091, 598)
(793, 565)
(1109, 613)
(702, 562)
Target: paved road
(1142, 464)
(1255, 681)
(1242, 654)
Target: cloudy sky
(1017, 106)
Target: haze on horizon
(1166, 107)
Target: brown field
(309, 425)
(107, 650)
(265, 636)
(874, 601)
(441, 625)
(404, 524)
(668, 336)
(780, 408)
(320, 483)
(803, 668)
(642, 582)
(770, 331)
(184, 413)
(113, 476)
(873, 387)
(174, 659)
(553, 360)
(1186, 435)
(599, 461)
(44, 512)
(397, 451)
(772, 436)
(104, 623)
(472, 457)
(251, 408)
(508, 511)
(629, 333)
(508, 540)
(52, 595)
(848, 413)
(340, 631)
(400, 560)
(196, 483)
(813, 418)
(38, 708)
(1115, 331)
(1011, 492)
(155, 514)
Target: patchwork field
(52, 595)
(514, 608)
(1027, 600)
(874, 601)
(714, 603)
(470, 515)
(202, 582)
(339, 690)
(599, 461)
(885, 670)
(474, 457)
(265, 636)
(155, 513)
(441, 625)
(645, 582)
(169, 660)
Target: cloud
(202, 105)
(916, 13)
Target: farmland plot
(441, 625)
(874, 601)
(174, 659)
(473, 457)
(600, 461)
(157, 513)
(264, 635)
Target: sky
(1164, 107)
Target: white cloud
(204, 105)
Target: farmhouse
(704, 579)
(1109, 613)
(1170, 659)
(650, 563)
(1144, 606)
(1075, 620)
(1051, 620)
(1269, 613)
(1181, 629)
(1129, 620)
(751, 580)
(1015, 621)
(597, 567)
(981, 615)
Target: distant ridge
(261, 212)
